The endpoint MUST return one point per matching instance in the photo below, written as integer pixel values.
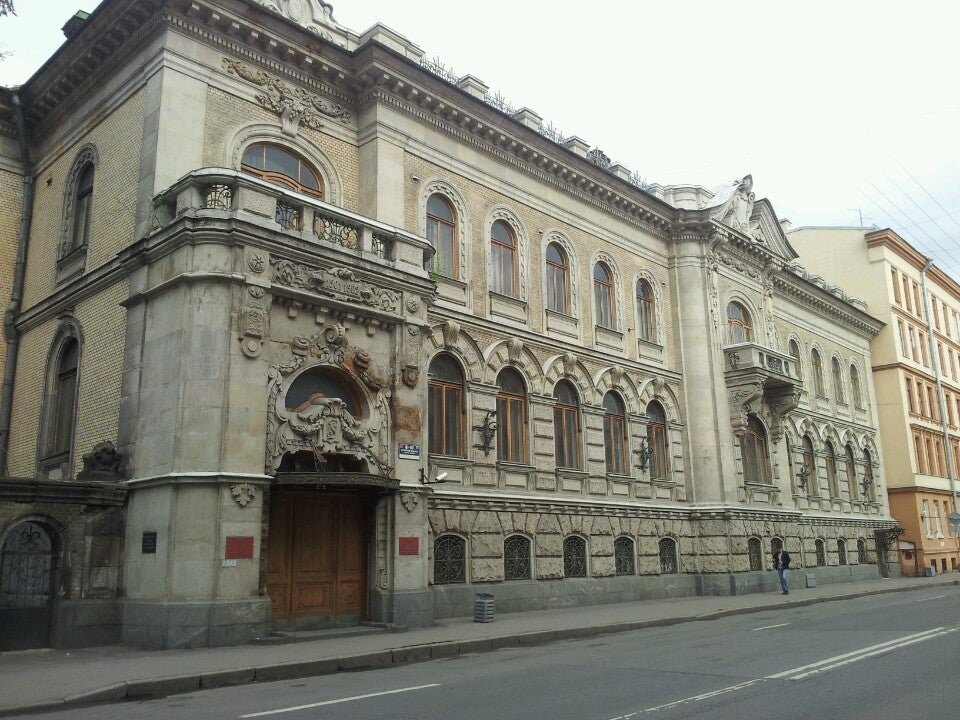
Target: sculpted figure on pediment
(733, 206)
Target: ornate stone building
(365, 341)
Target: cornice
(820, 299)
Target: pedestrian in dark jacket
(781, 561)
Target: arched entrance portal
(26, 587)
(329, 477)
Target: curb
(179, 684)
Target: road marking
(799, 673)
(769, 627)
(339, 700)
(854, 654)
(935, 597)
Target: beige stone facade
(328, 410)
(916, 369)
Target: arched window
(669, 560)
(449, 560)
(82, 210)
(511, 416)
(868, 486)
(614, 434)
(810, 463)
(516, 558)
(281, 167)
(755, 553)
(855, 389)
(574, 556)
(604, 304)
(837, 380)
(623, 556)
(831, 463)
(566, 425)
(753, 451)
(861, 552)
(442, 233)
(657, 441)
(503, 248)
(851, 468)
(842, 551)
(446, 407)
(558, 279)
(816, 370)
(317, 386)
(739, 325)
(794, 350)
(646, 312)
(820, 552)
(59, 410)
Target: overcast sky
(836, 108)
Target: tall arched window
(871, 490)
(820, 552)
(810, 463)
(861, 552)
(558, 279)
(442, 233)
(82, 209)
(816, 370)
(646, 312)
(512, 417)
(831, 463)
(281, 167)
(669, 559)
(794, 350)
(855, 391)
(516, 558)
(837, 380)
(739, 325)
(566, 425)
(574, 556)
(446, 407)
(503, 248)
(59, 407)
(755, 553)
(842, 551)
(851, 468)
(623, 556)
(604, 304)
(449, 560)
(753, 451)
(614, 434)
(657, 441)
(66, 395)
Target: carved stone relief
(243, 493)
(338, 283)
(410, 501)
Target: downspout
(941, 401)
(16, 293)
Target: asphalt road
(890, 656)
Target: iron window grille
(821, 554)
(755, 554)
(516, 558)
(449, 560)
(668, 557)
(26, 569)
(842, 551)
(574, 557)
(861, 552)
(623, 556)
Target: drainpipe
(16, 293)
(941, 401)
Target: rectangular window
(910, 403)
(936, 313)
(948, 401)
(932, 403)
(923, 349)
(906, 293)
(903, 339)
(895, 276)
(925, 515)
(940, 354)
(921, 399)
(917, 305)
(941, 457)
(949, 369)
(938, 520)
(930, 457)
(918, 453)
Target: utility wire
(937, 202)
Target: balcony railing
(223, 193)
(750, 357)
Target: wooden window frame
(646, 312)
(816, 365)
(445, 390)
(564, 414)
(437, 223)
(558, 272)
(615, 436)
(505, 403)
(755, 453)
(604, 289)
(742, 326)
(499, 252)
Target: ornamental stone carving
(409, 501)
(336, 283)
(101, 463)
(451, 333)
(243, 493)
(294, 105)
(315, 15)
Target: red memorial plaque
(410, 545)
(239, 547)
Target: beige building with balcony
(916, 370)
(365, 340)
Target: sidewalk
(55, 679)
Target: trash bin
(483, 608)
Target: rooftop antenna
(859, 212)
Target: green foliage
(6, 8)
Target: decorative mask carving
(514, 348)
(569, 364)
(101, 463)
(451, 333)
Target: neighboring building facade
(916, 368)
(298, 276)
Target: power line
(937, 202)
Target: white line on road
(769, 627)
(798, 673)
(935, 597)
(339, 700)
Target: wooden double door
(316, 560)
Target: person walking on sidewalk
(781, 561)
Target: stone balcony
(221, 193)
(752, 362)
